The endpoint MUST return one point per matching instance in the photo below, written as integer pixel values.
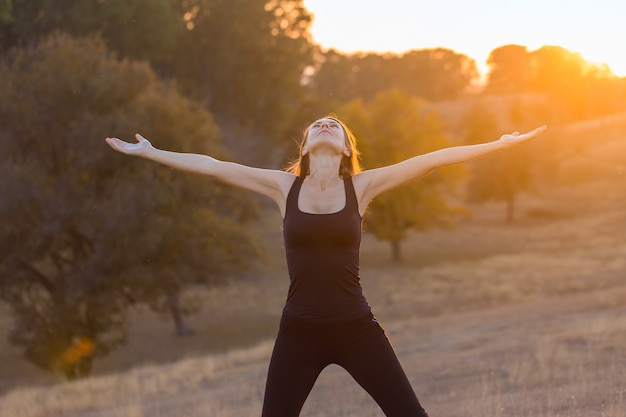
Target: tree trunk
(396, 252)
(510, 209)
(173, 302)
(79, 369)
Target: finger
(117, 144)
(139, 137)
(539, 129)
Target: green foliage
(245, 60)
(144, 29)
(394, 126)
(433, 74)
(5, 11)
(87, 231)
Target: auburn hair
(349, 165)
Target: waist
(287, 318)
(311, 311)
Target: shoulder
(285, 180)
(285, 177)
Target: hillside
(489, 319)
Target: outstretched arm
(271, 183)
(377, 181)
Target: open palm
(139, 148)
(516, 137)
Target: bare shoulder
(284, 180)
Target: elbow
(213, 167)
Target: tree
(502, 177)
(85, 231)
(497, 177)
(560, 73)
(584, 90)
(510, 69)
(345, 77)
(245, 59)
(578, 89)
(141, 29)
(432, 74)
(393, 127)
(605, 92)
(436, 74)
(5, 10)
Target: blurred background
(110, 263)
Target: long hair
(349, 166)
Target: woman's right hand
(140, 148)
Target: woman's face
(326, 133)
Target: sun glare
(616, 62)
(596, 33)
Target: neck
(324, 169)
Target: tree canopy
(579, 88)
(392, 127)
(141, 29)
(504, 176)
(86, 231)
(245, 60)
(432, 74)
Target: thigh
(294, 368)
(373, 363)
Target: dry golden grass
(554, 357)
(489, 320)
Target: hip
(345, 333)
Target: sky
(594, 28)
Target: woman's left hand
(516, 137)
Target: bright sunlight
(473, 28)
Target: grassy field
(489, 319)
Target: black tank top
(323, 260)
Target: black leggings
(361, 347)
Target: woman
(322, 198)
